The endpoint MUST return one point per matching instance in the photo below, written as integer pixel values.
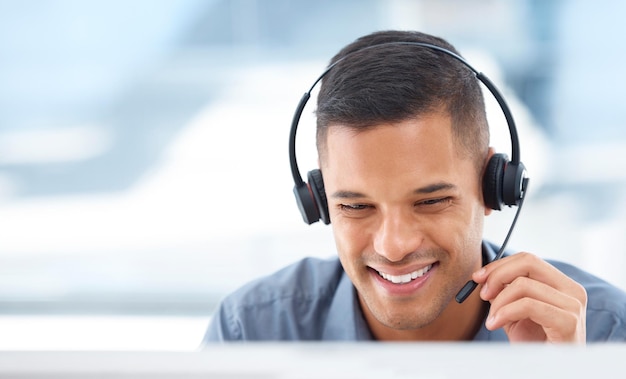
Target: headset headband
(515, 146)
(504, 181)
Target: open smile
(406, 278)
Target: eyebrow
(431, 188)
(435, 187)
(347, 195)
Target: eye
(431, 201)
(355, 210)
(353, 207)
(433, 205)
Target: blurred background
(143, 148)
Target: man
(403, 146)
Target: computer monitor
(327, 361)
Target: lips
(405, 278)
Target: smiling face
(407, 215)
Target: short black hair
(395, 82)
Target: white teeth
(401, 279)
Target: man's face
(407, 214)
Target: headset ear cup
(306, 203)
(316, 181)
(513, 186)
(492, 181)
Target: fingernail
(481, 272)
(483, 290)
(490, 320)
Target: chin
(405, 315)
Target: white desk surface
(327, 361)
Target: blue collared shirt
(314, 300)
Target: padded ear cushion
(492, 181)
(316, 181)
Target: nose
(398, 234)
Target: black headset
(504, 181)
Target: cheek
(349, 240)
(342, 238)
(469, 239)
(478, 225)
(460, 232)
(475, 220)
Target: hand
(532, 300)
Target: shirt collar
(345, 318)
(484, 334)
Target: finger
(558, 325)
(496, 275)
(523, 287)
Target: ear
(490, 154)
